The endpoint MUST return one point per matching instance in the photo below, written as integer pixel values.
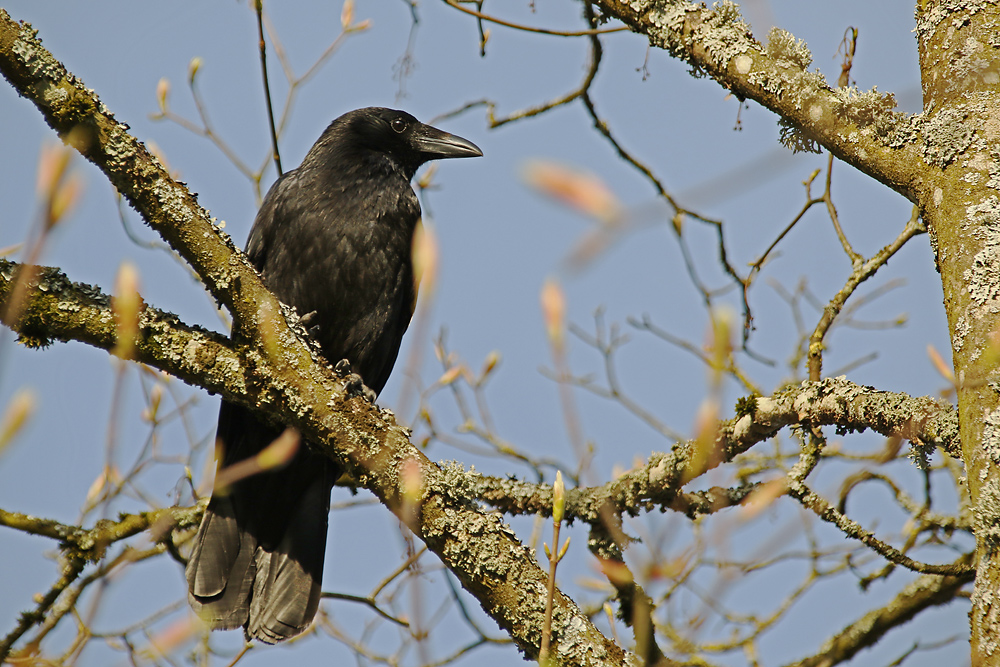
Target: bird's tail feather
(272, 590)
(287, 588)
(220, 571)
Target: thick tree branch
(924, 421)
(284, 379)
(367, 439)
(59, 309)
(82, 120)
(56, 309)
(859, 128)
(959, 70)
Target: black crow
(333, 239)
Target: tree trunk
(960, 70)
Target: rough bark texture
(925, 422)
(959, 45)
(858, 128)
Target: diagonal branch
(925, 592)
(282, 379)
(90, 545)
(56, 309)
(371, 442)
(83, 121)
(859, 128)
(81, 546)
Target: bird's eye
(398, 124)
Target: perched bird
(333, 239)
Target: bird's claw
(342, 368)
(355, 386)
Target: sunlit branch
(862, 271)
(851, 528)
(855, 127)
(926, 591)
(832, 402)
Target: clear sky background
(499, 241)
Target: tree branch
(284, 379)
(859, 128)
(925, 421)
(926, 591)
(89, 545)
(56, 309)
(81, 546)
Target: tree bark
(959, 47)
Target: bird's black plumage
(332, 238)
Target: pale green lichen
(970, 64)
(786, 49)
(724, 33)
(930, 15)
(982, 278)
(792, 138)
(993, 169)
(986, 513)
(667, 21)
(780, 80)
(34, 56)
(946, 135)
(864, 108)
(792, 57)
(457, 483)
(726, 12)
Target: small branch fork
(861, 269)
(80, 547)
(168, 344)
(204, 126)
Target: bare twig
(262, 46)
(526, 28)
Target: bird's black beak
(437, 144)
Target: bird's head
(400, 136)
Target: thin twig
(262, 45)
(367, 601)
(527, 28)
(862, 271)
